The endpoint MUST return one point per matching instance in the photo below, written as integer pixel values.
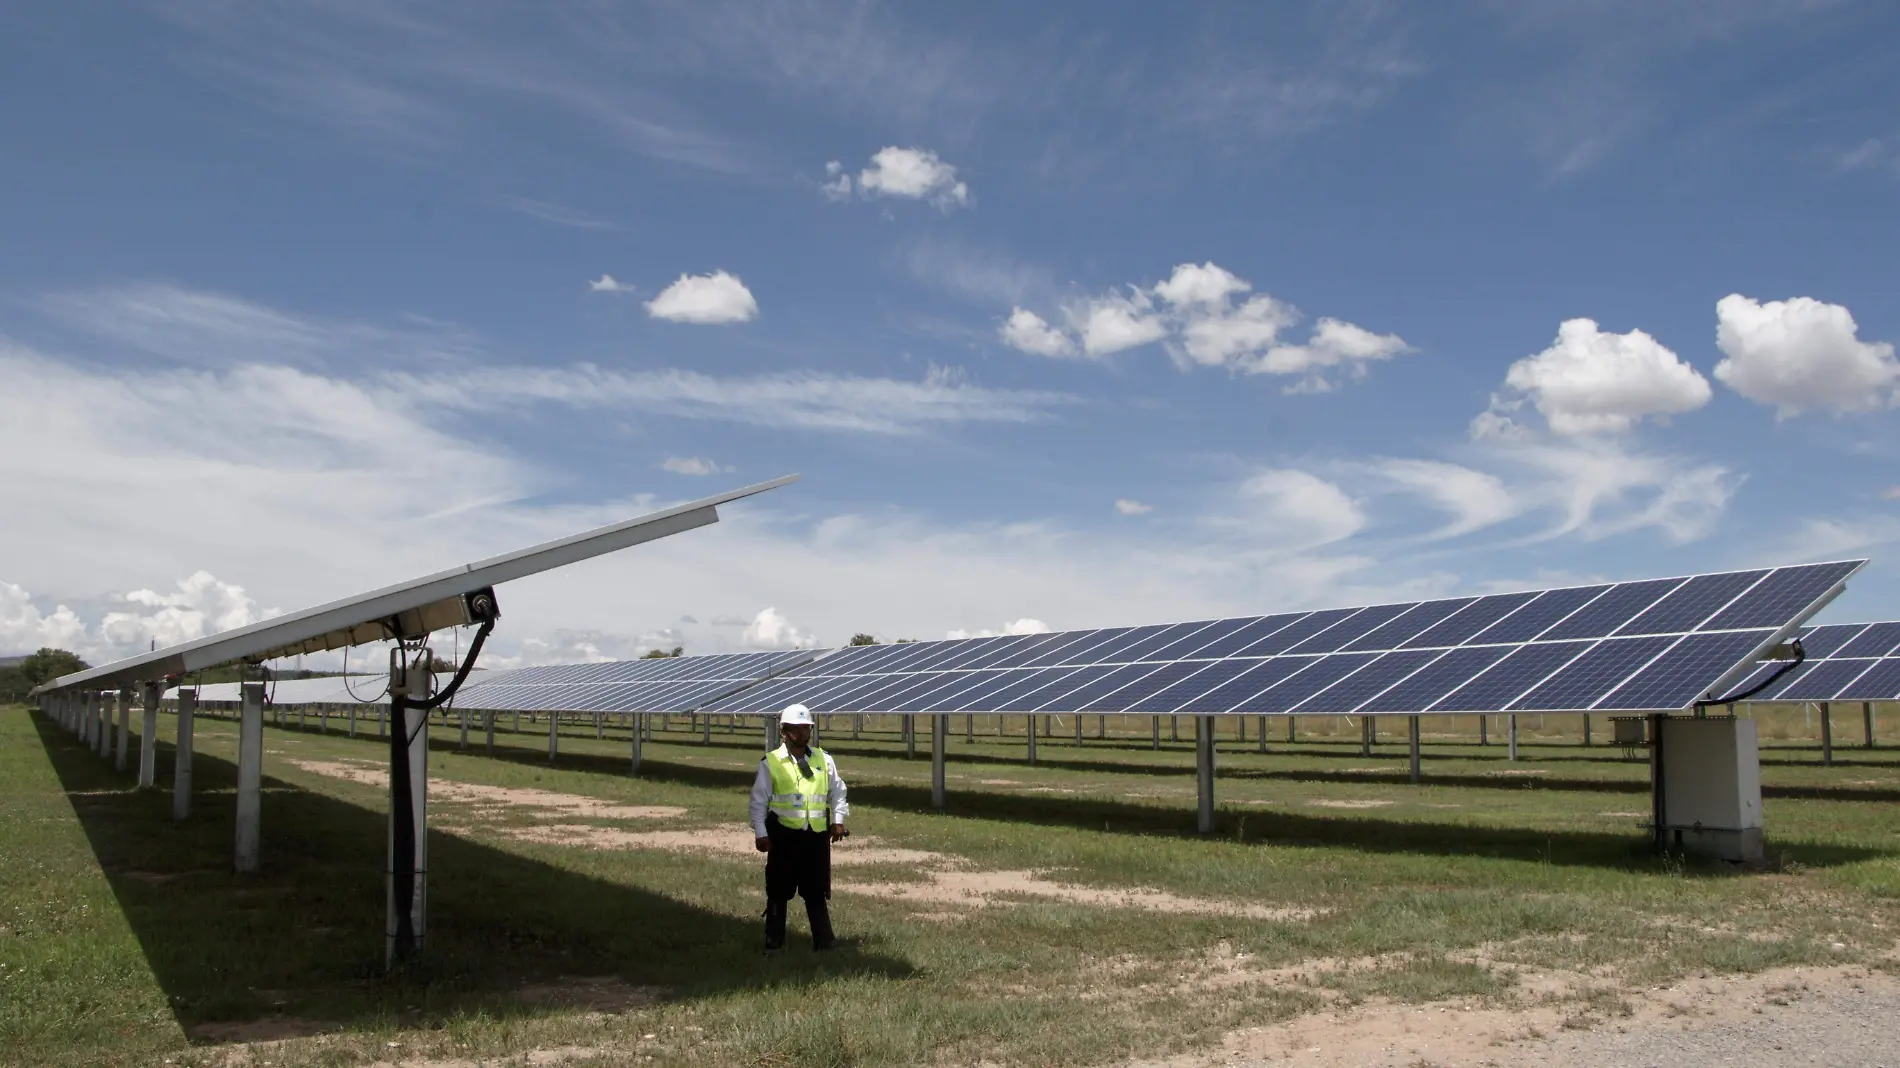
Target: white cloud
(1293, 507)
(1475, 499)
(1126, 506)
(691, 465)
(558, 214)
(1018, 626)
(718, 297)
(607, 283)
(1599, 489)
(771, 630)
(1801, 355)
(913, 174)
(1195, 311)
(1116, 322)
(1028, 332)
(804, 400)
(1590, 382)
(25, 627)
(839, 187)
(200, 605)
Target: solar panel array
(659, 684)
(1845, 662)
(1652, 645)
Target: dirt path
(1778, 1019)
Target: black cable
(1800, 655)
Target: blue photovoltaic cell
(974, 684)
(1181, 646)
(1056, 650)
(1420, 691)
(1164, 638)
(1285, 695)
(1004, 648)
(1822, 642)
(1366, 683)
(1076, 651)
(1510, 678)
(1016, 698)
(1295, 633)
(1110, 652)
(1145, 693)
(967, 651)
(1252, 631)
(1093, 692)
(1419, 618)
(1684, 674)
(948, 683)
(1342, 634)
(1610, 611)
(1880, 683)
(1773, 690)
(1691, 603)
(1781, 597)
(1877, 640)
(935, 655)
(1029, 649)
(1585, 680)
(896, 697)
(1170, 694)
(1828, 678)
(1469, 620)
(1538, 616)
(1034, 700)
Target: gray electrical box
(1711, 786)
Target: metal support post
(514, 725)
(554, 735)
(634, 747)
(1414, 740)
(1290, 721)
(300, 716)
(122, 754)
(1827, 734)
(600, 732)
(1484, 730)
(705, 729)
(406, 927)
(1658, 811)
(910, 736)
(463, 745)
(1867, 720)
(1511, 726)
(771, 732)
(1101, 727)
(1154, 727)
(1174, 728)
(1030, 723)
(382, 721)
(1204, 773)
(148, 737)
(1078, 730)
(1586, 730)
(857, 726)
(250, 784)
(181, 754)
(939, 730)
(1365, 736)
(969, 728)
(1263, 734)
(488, 728)
(352, 719)
(89, 702)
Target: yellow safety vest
(800, 803)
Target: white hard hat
(794, 715)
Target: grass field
(556, 927)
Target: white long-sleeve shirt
(762, 796)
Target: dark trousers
(798, 865)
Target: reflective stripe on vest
(799, 802)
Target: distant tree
(863, 639)
(18, 681)
(662, 654)
(906, 641)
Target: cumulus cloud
(771, 630)
(1290, 506)
(691, 465)
(1590, 381)
(839, 185)
(583, 647)
(607, 283)
(718, 297)
(1475, 499)
(1018, 626)
(1026, 331)
(1801, 355)
(908, 173)
(1127, 506)
(199, 605)
(1207, 316)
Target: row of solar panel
(1730, 601)
(671, 668)
(1652, 672)
(1845, 662)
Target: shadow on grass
(303, 937)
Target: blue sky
(1078, 314)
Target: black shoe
(774, 925)
(819, 915)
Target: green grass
(126, 939)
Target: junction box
(1707, 783)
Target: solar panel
(1844, 662)
(1647, 645)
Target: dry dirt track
(1839, 1017)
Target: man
(798, 810)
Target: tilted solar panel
(1649, 645)
(1844, 662)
